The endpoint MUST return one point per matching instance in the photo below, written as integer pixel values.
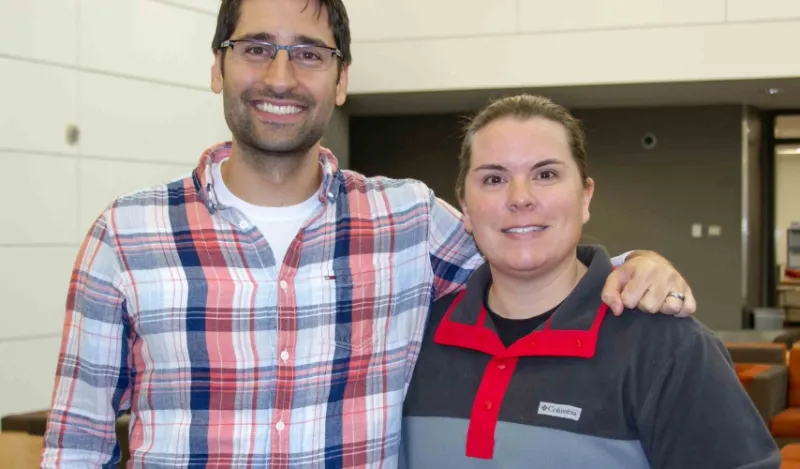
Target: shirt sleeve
(454, 255)
(93, 371)
(617, 261)
(697, 414)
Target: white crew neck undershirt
(279, 225)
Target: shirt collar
(572, 330)
(332, 178)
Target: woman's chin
(519, 265)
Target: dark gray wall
(645, 199)
(649, 199)
(337, 137)
(420, 147)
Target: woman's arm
(697, 414)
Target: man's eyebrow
(302, 39)
(312, 41)
(258, 37)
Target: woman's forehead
(516, 141)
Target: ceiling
(748, 92)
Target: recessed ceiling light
(773, 91)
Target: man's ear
(216, 73)
(588, 193)
(341, 85)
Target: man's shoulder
(406, 189)
(141, 207)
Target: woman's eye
(493, 180)
(546, 175)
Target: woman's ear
(588, 193)
(465, 215)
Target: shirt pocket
(355, 321)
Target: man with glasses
(267, 310)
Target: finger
(634, 292)
(671, 306)
(689, 304)
(657, 294)
(611, 291)
(651, 303)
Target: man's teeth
(527, 229)
(273, 109)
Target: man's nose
(280, 75)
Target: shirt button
(579, 343)
(244, 225)
(330, 195)
(533, 343)
(284, 355)
(284, 285)
(487, 405)
(280, 426)
(501, 366)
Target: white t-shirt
(279, 225)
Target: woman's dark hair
(522, 107)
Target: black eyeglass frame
(232, 43)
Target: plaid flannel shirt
(177, 312)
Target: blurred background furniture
(35, 423)
(19, 450)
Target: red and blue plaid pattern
(177, 311)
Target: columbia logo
(560, 411)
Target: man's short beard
(244, 130)
(245, 134)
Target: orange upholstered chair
(790, 455)
(785, 426)
(765, 383)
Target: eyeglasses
(305, 56)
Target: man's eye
(256, 51)
(310, 55)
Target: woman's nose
(521, 196)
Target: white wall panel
(103, 180)
(37, 102)
(27, 374)
(41, 199)
(547, 15)
(136, 120)
(408, 19)
(34, 288)
(686, 53)
(748, 10)
(149, 39)
(39, 29)
(207, 6)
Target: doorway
(782, 199)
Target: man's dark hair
(337, 20)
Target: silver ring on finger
(677, 295)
